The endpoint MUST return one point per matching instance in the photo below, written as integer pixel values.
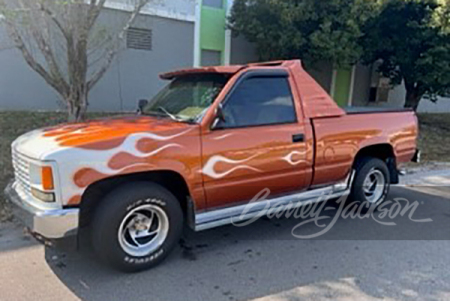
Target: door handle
(298, 138)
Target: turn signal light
(47, 178)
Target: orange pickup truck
(197, 153)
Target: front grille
(21, 171)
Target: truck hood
(95, 136)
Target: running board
(225, 216)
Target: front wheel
(371, 184)
(136, 226)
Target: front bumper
(50, 224)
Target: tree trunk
(71, 114)
(77, 107)
(412, 99)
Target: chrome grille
(21, 171)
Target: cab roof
(230, 70)
(316, 102)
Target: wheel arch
(382, 151)
(171, 180)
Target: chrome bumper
(51, 224)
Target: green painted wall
(212, 28)
(342, 86)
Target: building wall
(361, 85)
(133, 76)
(396, 97)
(211, 30)
(397, 100)
(20, 87)
(441, 106)
(322, 72)
(137, 70)
(175, 9)
(242, 52)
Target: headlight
(42, 176)
(48, 197)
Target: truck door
(259, 143)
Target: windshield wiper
(170, 114)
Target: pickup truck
(197, 153)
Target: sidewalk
(434, 182)
(427, 177)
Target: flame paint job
(254, 162)
(92, 151)
(223, 167)
(209, 170)
(290, 158)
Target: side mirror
(219, 119)
(142, 103)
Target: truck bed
(338, 139)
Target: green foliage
(411, 40)
(311, 30)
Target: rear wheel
(371, 184)
(136, 226)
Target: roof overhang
(205, 70)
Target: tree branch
(94, 11)
(36, 66)
(115, 48)
(44, 47)
(49, 57)
(53, 17)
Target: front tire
(136, 226)
(371, 184)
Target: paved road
(261, 261)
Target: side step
(225, 216)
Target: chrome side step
(225, 216)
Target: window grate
(138, 38)
(211, 58)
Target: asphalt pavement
(357, 259)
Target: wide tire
(136, 226)
(371, 183)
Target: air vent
(138, 38)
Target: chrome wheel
(374, 185)
(143, 230)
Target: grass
(434, 138)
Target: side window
(259, 101)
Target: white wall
(397, 96)
(441, 106)
(397, 99)
(176, 9)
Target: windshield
(187, 98)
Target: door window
(259, 101)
